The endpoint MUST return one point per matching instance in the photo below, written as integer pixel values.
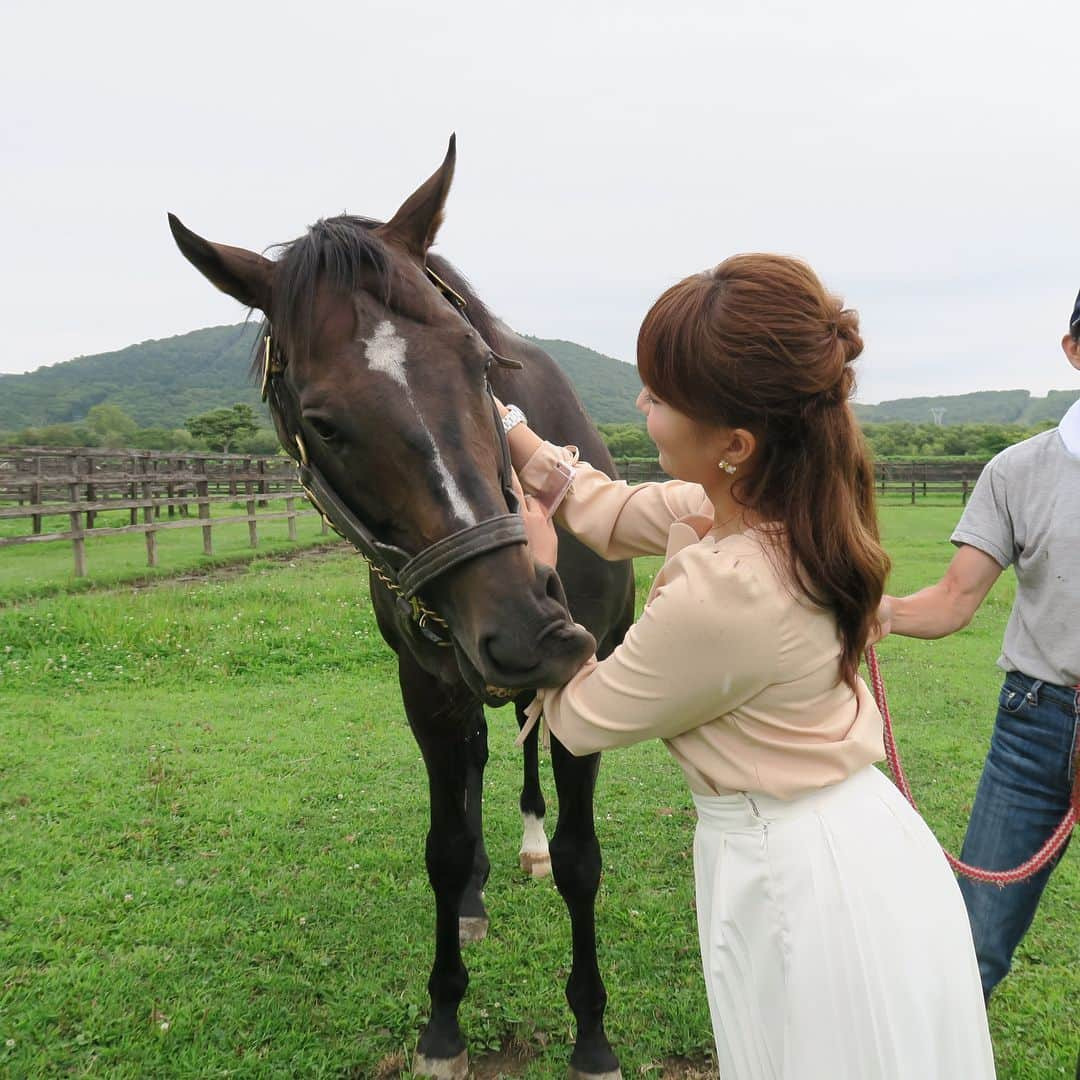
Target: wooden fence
(176, 491)
(167, 490)
(920, 479)
(914, 479)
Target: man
(1024, 512)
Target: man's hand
(884, 623)
(540, 529)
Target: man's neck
(1069, 429)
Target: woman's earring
(726, 465)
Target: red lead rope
(1058, 838)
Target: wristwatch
(512, 417)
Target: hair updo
(758, 343)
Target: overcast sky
(923, 157)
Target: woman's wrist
(512, 417)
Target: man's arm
(947, 606)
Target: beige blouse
(737, 672)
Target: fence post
(290, 506)
(202, 497)
(91, 493)
(133, 492)
(170, 485)
(262, 483)
(78, 542)
(913, 485)
(35, 494)
(249, 490)
(148, 513)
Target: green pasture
(212, 822)
(42, 569)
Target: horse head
(379, 388)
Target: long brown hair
(758, 343)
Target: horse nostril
(553, 587)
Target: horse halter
(403, 574)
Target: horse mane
(337, 251)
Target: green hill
(608, 387)
(982, 407)
(160, 383)
(157, 383)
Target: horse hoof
(535, 865)
(577, 1074)
(456, 1068)
(471, 928)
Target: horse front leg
(439, 719)
(473, 920)
(534, 856)
(575, 862)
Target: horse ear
(243, 274)
(420, 215)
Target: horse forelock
(343, 253)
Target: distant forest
(162, 383)
(981, 407)
(147, 395)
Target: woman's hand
(540, 529)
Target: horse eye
(323, 428)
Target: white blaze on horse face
(385, 352)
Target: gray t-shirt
(1025, 512)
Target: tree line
(895, 439)
(237, 429)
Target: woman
(833, 937)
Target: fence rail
(166, 490)
(913, 479)
(160, 491)
(920, 479)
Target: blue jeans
(1023, 795)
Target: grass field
(29, 571)
(212, 821)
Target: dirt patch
(683, 1069)
(231, 569)
(503, 1064)
(510, 1062)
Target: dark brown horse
(378, 364)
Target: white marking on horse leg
(534, 857)
(456, 1068)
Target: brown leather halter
(403, 574)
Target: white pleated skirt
(834, 940)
